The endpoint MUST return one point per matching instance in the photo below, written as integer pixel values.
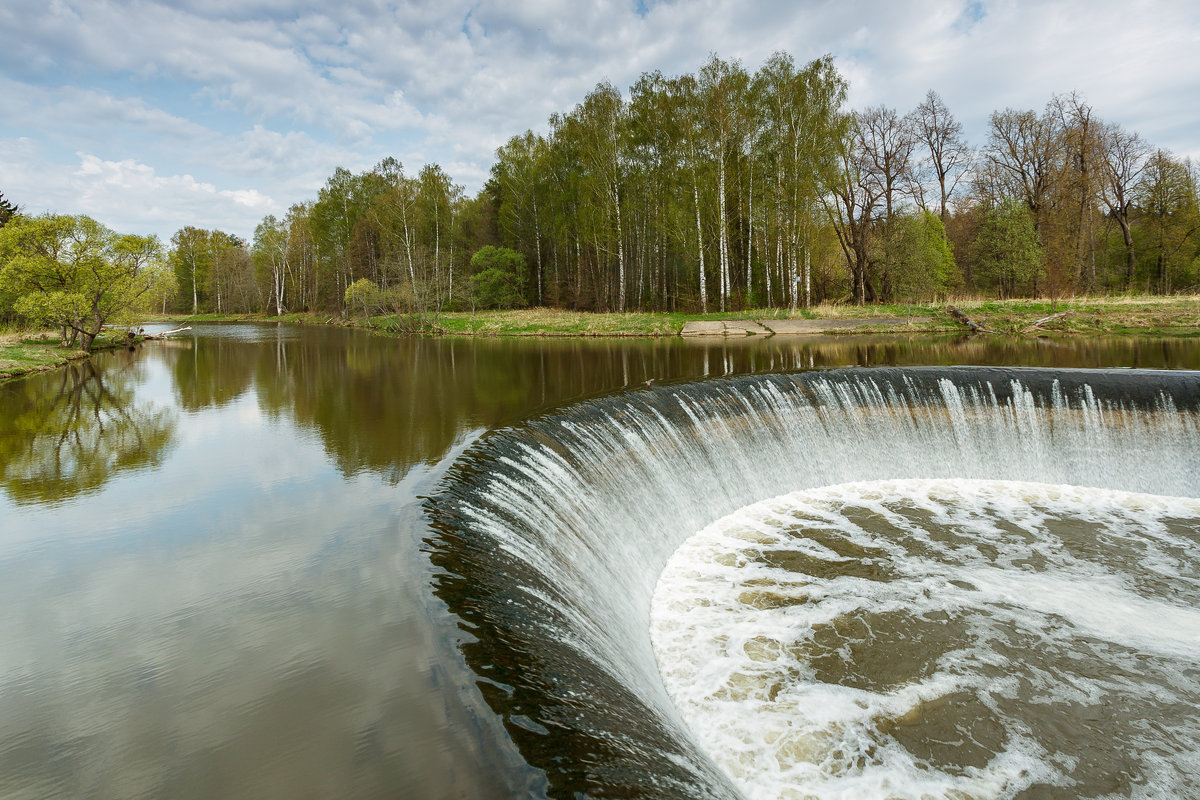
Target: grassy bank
(22, 353)
(1144, 316)
(1147, 315)
(1172, 316)
(27, 352)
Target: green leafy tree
(1168, 199)
(364, 297)
(1007, 251)
(499, 277)
(163, 287)
(924, 265)
(73, 273)
(270, 255)
(234, 284)
(191, 259)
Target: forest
(714, 191)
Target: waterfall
(551, 536)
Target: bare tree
(1024, 151)
(885, 146)
(856, 195)
(935, 128)
(1124, 157)
(1082, 141)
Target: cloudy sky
(154, 115)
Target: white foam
(733, 631)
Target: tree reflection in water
(60, 442)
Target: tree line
(725, 190)
(713, 191)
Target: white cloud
(251, 199)
(126, 189)
(127, 195)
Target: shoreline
(1173, 316)
(35, 352)
(1159, 317)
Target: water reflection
(69, 433)
(385, 405)
(210, 550)
(388, 404)
(210, 374)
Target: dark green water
(212, 559)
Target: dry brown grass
(11, 337)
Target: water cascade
(714, 589)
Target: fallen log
(963, 319)
(1039, 323)
(165, 334)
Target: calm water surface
(212, 559)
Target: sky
(150, 116)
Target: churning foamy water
(935, 638)
(969, 583)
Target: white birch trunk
(750, 234)
(537, 241)
(723, 237)
(792, 272)
(807, 278)
(700, 248)
(620, 254)
(412, 273)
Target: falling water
(915, 484)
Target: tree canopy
(73, 273)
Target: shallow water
(220, 578)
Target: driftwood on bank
(1039, 323)
(963, 319)
(165, 334)
(976, 327)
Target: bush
(499, 278)
(363, 297)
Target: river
(230, 563)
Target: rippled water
(941, 639)
(269, 562)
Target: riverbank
(28, 352)
(25, 353)
(1147, 316)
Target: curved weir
(552, 537)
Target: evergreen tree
(7, 210)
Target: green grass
(1174, 315)
(27, 352)
(23, 353)
(1092, 315)
(554, 322)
